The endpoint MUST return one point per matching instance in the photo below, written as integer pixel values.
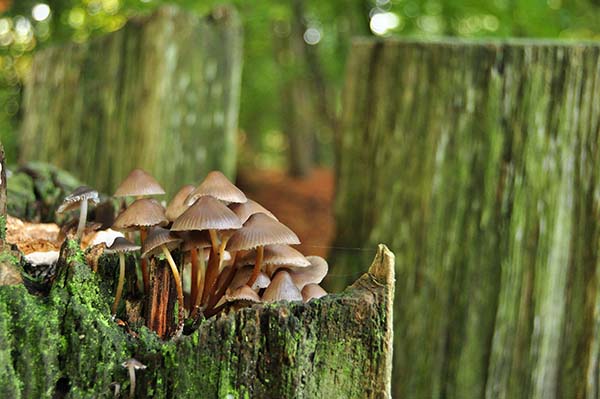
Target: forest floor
(303, 204)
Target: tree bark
(66, 344)
(478, 162)
(162, 94)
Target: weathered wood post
(479, 163)
(162, 93)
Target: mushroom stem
(212, 272)
(131, 369)
(120, 283)
(201, 283)
(260, 251)
(223, 288)
(144, 262)
(222, 252)
(194, 288)
(214, 240)
(179, 289)
(82, 218)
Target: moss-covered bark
(162, 93)
(478, 162)
(335, 347)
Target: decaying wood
(162, 93)
(479, 162)
(338, 346)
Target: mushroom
(313, 274)
(209, 214)
(246, 209)
(177, 205)
(79, 198)
(243, 293)
(217, 186)
(243, 274)
(120, 246)
(141, 215)
(312, 291)
(138, 184)
(275, 256)
(282, 288)
(162, 240)
(132, 365)
(258, 231)
(193, 241)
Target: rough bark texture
(478, 162)
(66, 344)
(162, 93)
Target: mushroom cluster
(232, 251)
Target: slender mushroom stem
(120, 283)
(179, 288)
(214, 240)
(222, 252)
(194, 289)
(82, 218)
(144, 262)
(212, 272)
(201, 283)
(131, 369)
(260, 251)
(221, 290)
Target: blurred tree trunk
(479, 163)
(162, 93)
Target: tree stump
(66, 344)
(162, 93)
(479, 163)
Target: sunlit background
(285, 42)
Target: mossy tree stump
(338, 346)
(162, 93)
(479, 163)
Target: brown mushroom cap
(218, 186)
(122, 245)
(243, 293)
(72, 201)
(276, 254)
(249, 208)
(139, 183)
(156, 239)
(243, 274)
(282, 288)
(143, 212)
(207, 213)
(313, 274)
(177, 205)
(312, 291)
(259, 230)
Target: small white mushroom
(132, 365)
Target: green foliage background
(265, 70)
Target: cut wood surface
(66, 344)
(162, 93)
(478, 162)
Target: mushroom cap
(138, 183)
(249, 208)
(73, 200)
(243, 293)
(122, 245)
(195, 239)
(276, 254)
(177, 205)
(218, 186)
(313, 274)
(282, 288)
(136, 364)
(156, 239)
(144, 212)
(243, 274)
(207, 213)
(312, 291)
(259, 230)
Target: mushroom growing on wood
(132, 365)
(246, 209)
(138, 184)
(162, 241)
(276, 256)
(141, 215)
(217, 186)
(258, 231)
(282, 288)
(312, 291)
(79, 198)
(313, 274)
(177, 205)
(120, 246)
